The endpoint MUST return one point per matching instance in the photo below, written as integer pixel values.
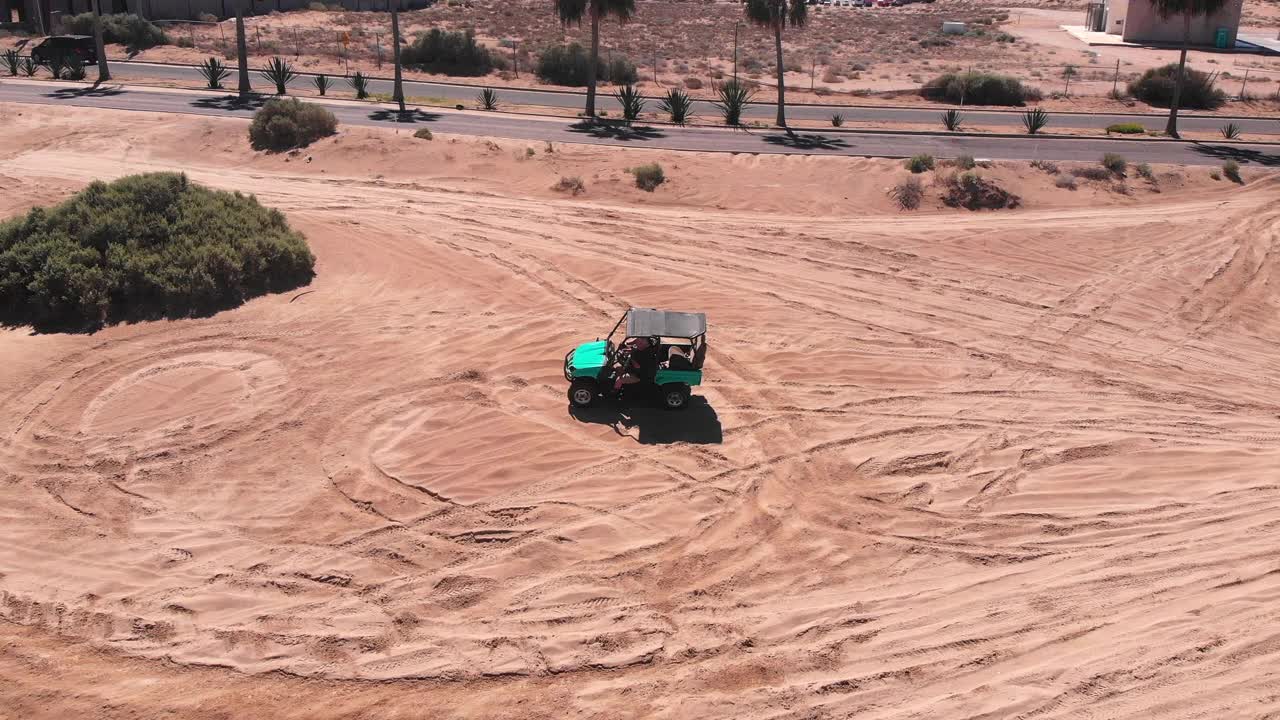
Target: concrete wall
(1144, 25)
(1117, 10)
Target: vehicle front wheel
(582, 393)
(675, 396)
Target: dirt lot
(946, 463)
(844, 55)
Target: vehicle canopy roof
(648, 322)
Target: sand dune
(946, 464)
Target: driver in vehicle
(637, 361)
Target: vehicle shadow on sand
(698, 423)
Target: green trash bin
(1220, 38)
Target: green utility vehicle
(676, 348)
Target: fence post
(813, 69)
(1244, 84)
(1115, 81)
(515, 56)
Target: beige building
(1137, 21)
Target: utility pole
(104, 73)
(398, 94)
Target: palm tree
(398, 92)
(104, 73)
(571, 11)
(777, 14)
(242, 53)
(1188, 9)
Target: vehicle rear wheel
(582, 393)
(675, 396)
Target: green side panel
(688, 377)
(588, 358)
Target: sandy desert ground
(947, 464)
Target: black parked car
(66, 47)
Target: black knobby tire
(675, 396)
(582, 393)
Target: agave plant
(360, 84)
(732, 98)
(11, 61)
(837, 120)
(57, 64)
(1230, 131)
(951, 120)
(29, 67)
(279, 72)
(1034, 120)
(322, 83)
(631, 101)
(677, 106)
(214, 72)
(488, 99)
(74, 70)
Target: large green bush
(567, 65)
(145, 246)
(124, 29)
(1155, 87)
(450, 53)
(284, 124)
(979, 88)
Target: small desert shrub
(693, 83)
(360, 84)
(1114, 162)
(423, 134)
(732, 99)
(972, 191)
(631, 101)
(144, 246)
(74, 70)
(1230, 131)
(1092, 172)
(488, 99)
(322, 83)
(677, 105)
(837, 120)
(1126, 129)
(1155, 87)
(951, 120)
(185, 41)
(28, 67)
(965, 162)
(1144, 172)
(207, 17)
(1035, 120)
(11, 61)
(978, 88)
(214, 72)
(648, 177)
(1066, 182)
(129, 30)
(567, 65)
(278, 72)
(286, 124)
(908, 193)
(570, 184)
(1214, 174)
(1047, 166)
(449, 53)
(919, 163)
(1231, 169)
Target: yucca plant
(11, 61)
(732, 98)
(57, 64)
(630, 100)
(677, 106)
(214, 72)
(29, 67)
(279, 72)
(74, 70)
(1230, 131)
(837, 120)
(322, 83)
(951, 120)
(488, 99)
(1035, 120)
(360, 84)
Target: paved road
(706, 139)
(466, 94)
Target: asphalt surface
(466, 94)
(523, 127)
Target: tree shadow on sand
(605, 130)
(231, 102)
(1239, 154)
(408, 116)
(94, 91)
(810, 141)
(698, 423)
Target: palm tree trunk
(242, 53)
(398, 93)
(782, 85)
(1172, 128)
(104, 73)
(593, 60)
